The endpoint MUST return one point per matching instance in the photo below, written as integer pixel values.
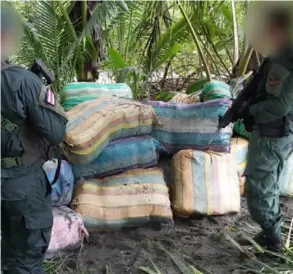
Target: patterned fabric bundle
(68, 232)
(215, 90)
(186, 99)
(192, 126)
(92, 125)
(205, 183)
(240, 130)
(239, 148)
(63, 188)
(79, 92)
(131, 199)
(286, 178)
(121, 155)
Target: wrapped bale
(186, 99)
(92, 125)
(205, 183)
(215, 90)
(179, 97)
(121, 155)
(286, 178)
(239, 149)
(63, 188)
(68, 232)
(192, 126)
(76, 93)
(239, 129)
(131, 199)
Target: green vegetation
(157, 47)
(162, 45)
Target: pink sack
(68, 231)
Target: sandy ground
(200, 241)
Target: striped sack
(192, 126)
(239, 148)
(205, 183)
(92, 125)
(68, 232)
(79, 92)
(121, 155)
(286, 178)
(215, 90)
(131, 199)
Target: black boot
(273, 242)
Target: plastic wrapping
(92, 125)
(131, 199)
(186, 99)
(215, 90)
(68, 232)
(192, 126)
(63, 188)
(205, 183)
(79, 92)
(239, 149)
(122, 155)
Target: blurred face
(277, 36)
(11, 32)
(7, 45)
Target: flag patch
(50, 97)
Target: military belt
(10, 162)
(7, 125)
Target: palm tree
(65, 34)
(138, 41)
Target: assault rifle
(239, 109)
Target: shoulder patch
(276, 77)
(49, 101)
(50, 97)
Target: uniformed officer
(31, 122)
(271, 141)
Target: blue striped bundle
(191, 126)
(121, 155)
(76, 93)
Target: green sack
(240, 130)
(215, 90)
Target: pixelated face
(266, 37)
(11, 32)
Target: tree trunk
(235, 32)
(196, 40)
